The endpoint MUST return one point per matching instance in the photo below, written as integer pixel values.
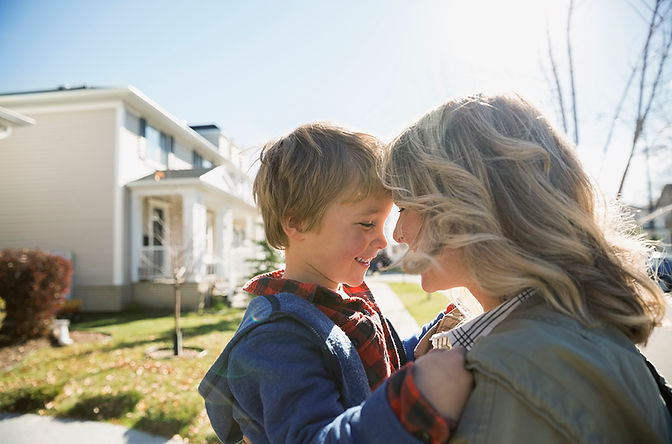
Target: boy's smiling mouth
(363, 261)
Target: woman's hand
(443, 380)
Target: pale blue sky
(260, 68)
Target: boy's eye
(367, 224)
(401, 209)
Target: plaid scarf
(356, 313)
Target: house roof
(665, 196)
(157, 176)
(216, 179)
(60, 88)
(207, 126)
(26, 101)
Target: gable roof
(175, 174)
(217, 179)
(130, 96)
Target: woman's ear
(293, 230)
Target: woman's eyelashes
(401, 209)
(367, 224)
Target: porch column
(194, 223)
(227, 249)
(136, 234)
(221, 241)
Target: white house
(658, 222)
(108, 178)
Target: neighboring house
(658, 223)
(107, 177)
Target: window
(155, 260)
(239, 234)
(197, 161)
(167, 146)
(159, 144)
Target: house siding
(69, 184)
(159, 295)
(103, 297)
(57, 189)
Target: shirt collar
(465, 335)
(274, 282)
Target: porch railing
(154, 263)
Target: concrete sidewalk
(30, 429)
(393, 308)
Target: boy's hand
(443, 380)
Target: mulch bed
(10, 355)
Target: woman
(493, 199)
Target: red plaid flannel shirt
(361, 320)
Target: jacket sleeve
(285, 393)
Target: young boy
(313, 346)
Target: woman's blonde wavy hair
(491, 176)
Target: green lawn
(422, 306)
(115, 381)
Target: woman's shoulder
(535, 326)
(563, 369)
(551, 346)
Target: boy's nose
(380, 240)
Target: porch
(182, 229)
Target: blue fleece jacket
(290, 375)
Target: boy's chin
(354, 282)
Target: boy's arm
(285, 393)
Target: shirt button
(366, 312)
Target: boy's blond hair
(304, 172)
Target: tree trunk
(177, 335)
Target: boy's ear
(293, 229)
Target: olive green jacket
(541, 377)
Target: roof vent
(68, 87)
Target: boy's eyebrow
(370, 212)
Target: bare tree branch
(556, 77)
(642, 108)
(619, 108)
(571, 71)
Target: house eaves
(204, 178)
(130, 96)
(10, 119)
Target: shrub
(29, 399)
(169, 418)
(33, 285)
(270, 260)
(70, 309)
(101, 407)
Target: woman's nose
(397, 234)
